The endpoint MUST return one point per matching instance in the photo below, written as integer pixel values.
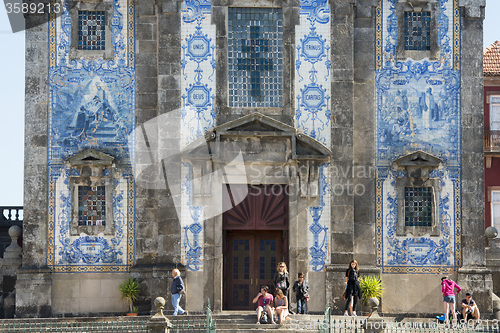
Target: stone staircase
(245, 321)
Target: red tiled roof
(491, 60)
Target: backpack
(263, 318)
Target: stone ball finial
(373, 302)
(15, 231)
(490, 232)
(159, 303)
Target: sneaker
(354, 313)
(346, 314)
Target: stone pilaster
(473, 276)
(472, 133)
(342, 55)
(33, 288)
(363, 171)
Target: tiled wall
(418, 108)
(312, 116)
(91, 105)
(197, 115)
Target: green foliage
(130, 291)
(371, 286)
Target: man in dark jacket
(177, 289)
(301, 289)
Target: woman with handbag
(352, 288)
(281, 278)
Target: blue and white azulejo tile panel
(91, 106)
(418, 108)
(313, 113)
(318, 222)
(313, 70)
(198, 66)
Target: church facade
(222, 137)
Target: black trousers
(354, 302)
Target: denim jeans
(176, 298)
(301, 306)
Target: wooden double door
(255, 240)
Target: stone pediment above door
(260, 139)
(256, 149)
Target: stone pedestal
(374, 323)
(477, 281)
(159, 323)
(34, 292)
(9, 266)
(496, 307)
(335, 275)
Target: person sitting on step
(265, 301)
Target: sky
(12, 101)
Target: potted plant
(130, 291)
(371, 287)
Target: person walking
(177, 290)
(448, 289)
(352, 288)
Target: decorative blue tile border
(193, 237)
(418, 108)
(198, 66)
(313, 113)
(312, 69)
(320, 249)
(198, 71)
(91, 105)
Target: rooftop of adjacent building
(491, 60)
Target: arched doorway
(255, 240)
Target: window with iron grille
(418, 206)
(92, 205)
(255, 57)
(91, 30)
(417, 31)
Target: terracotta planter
(132, 314)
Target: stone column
(342, 204)
(363, 168)
(473, 276)
(35, 175)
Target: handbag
(281, 284)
